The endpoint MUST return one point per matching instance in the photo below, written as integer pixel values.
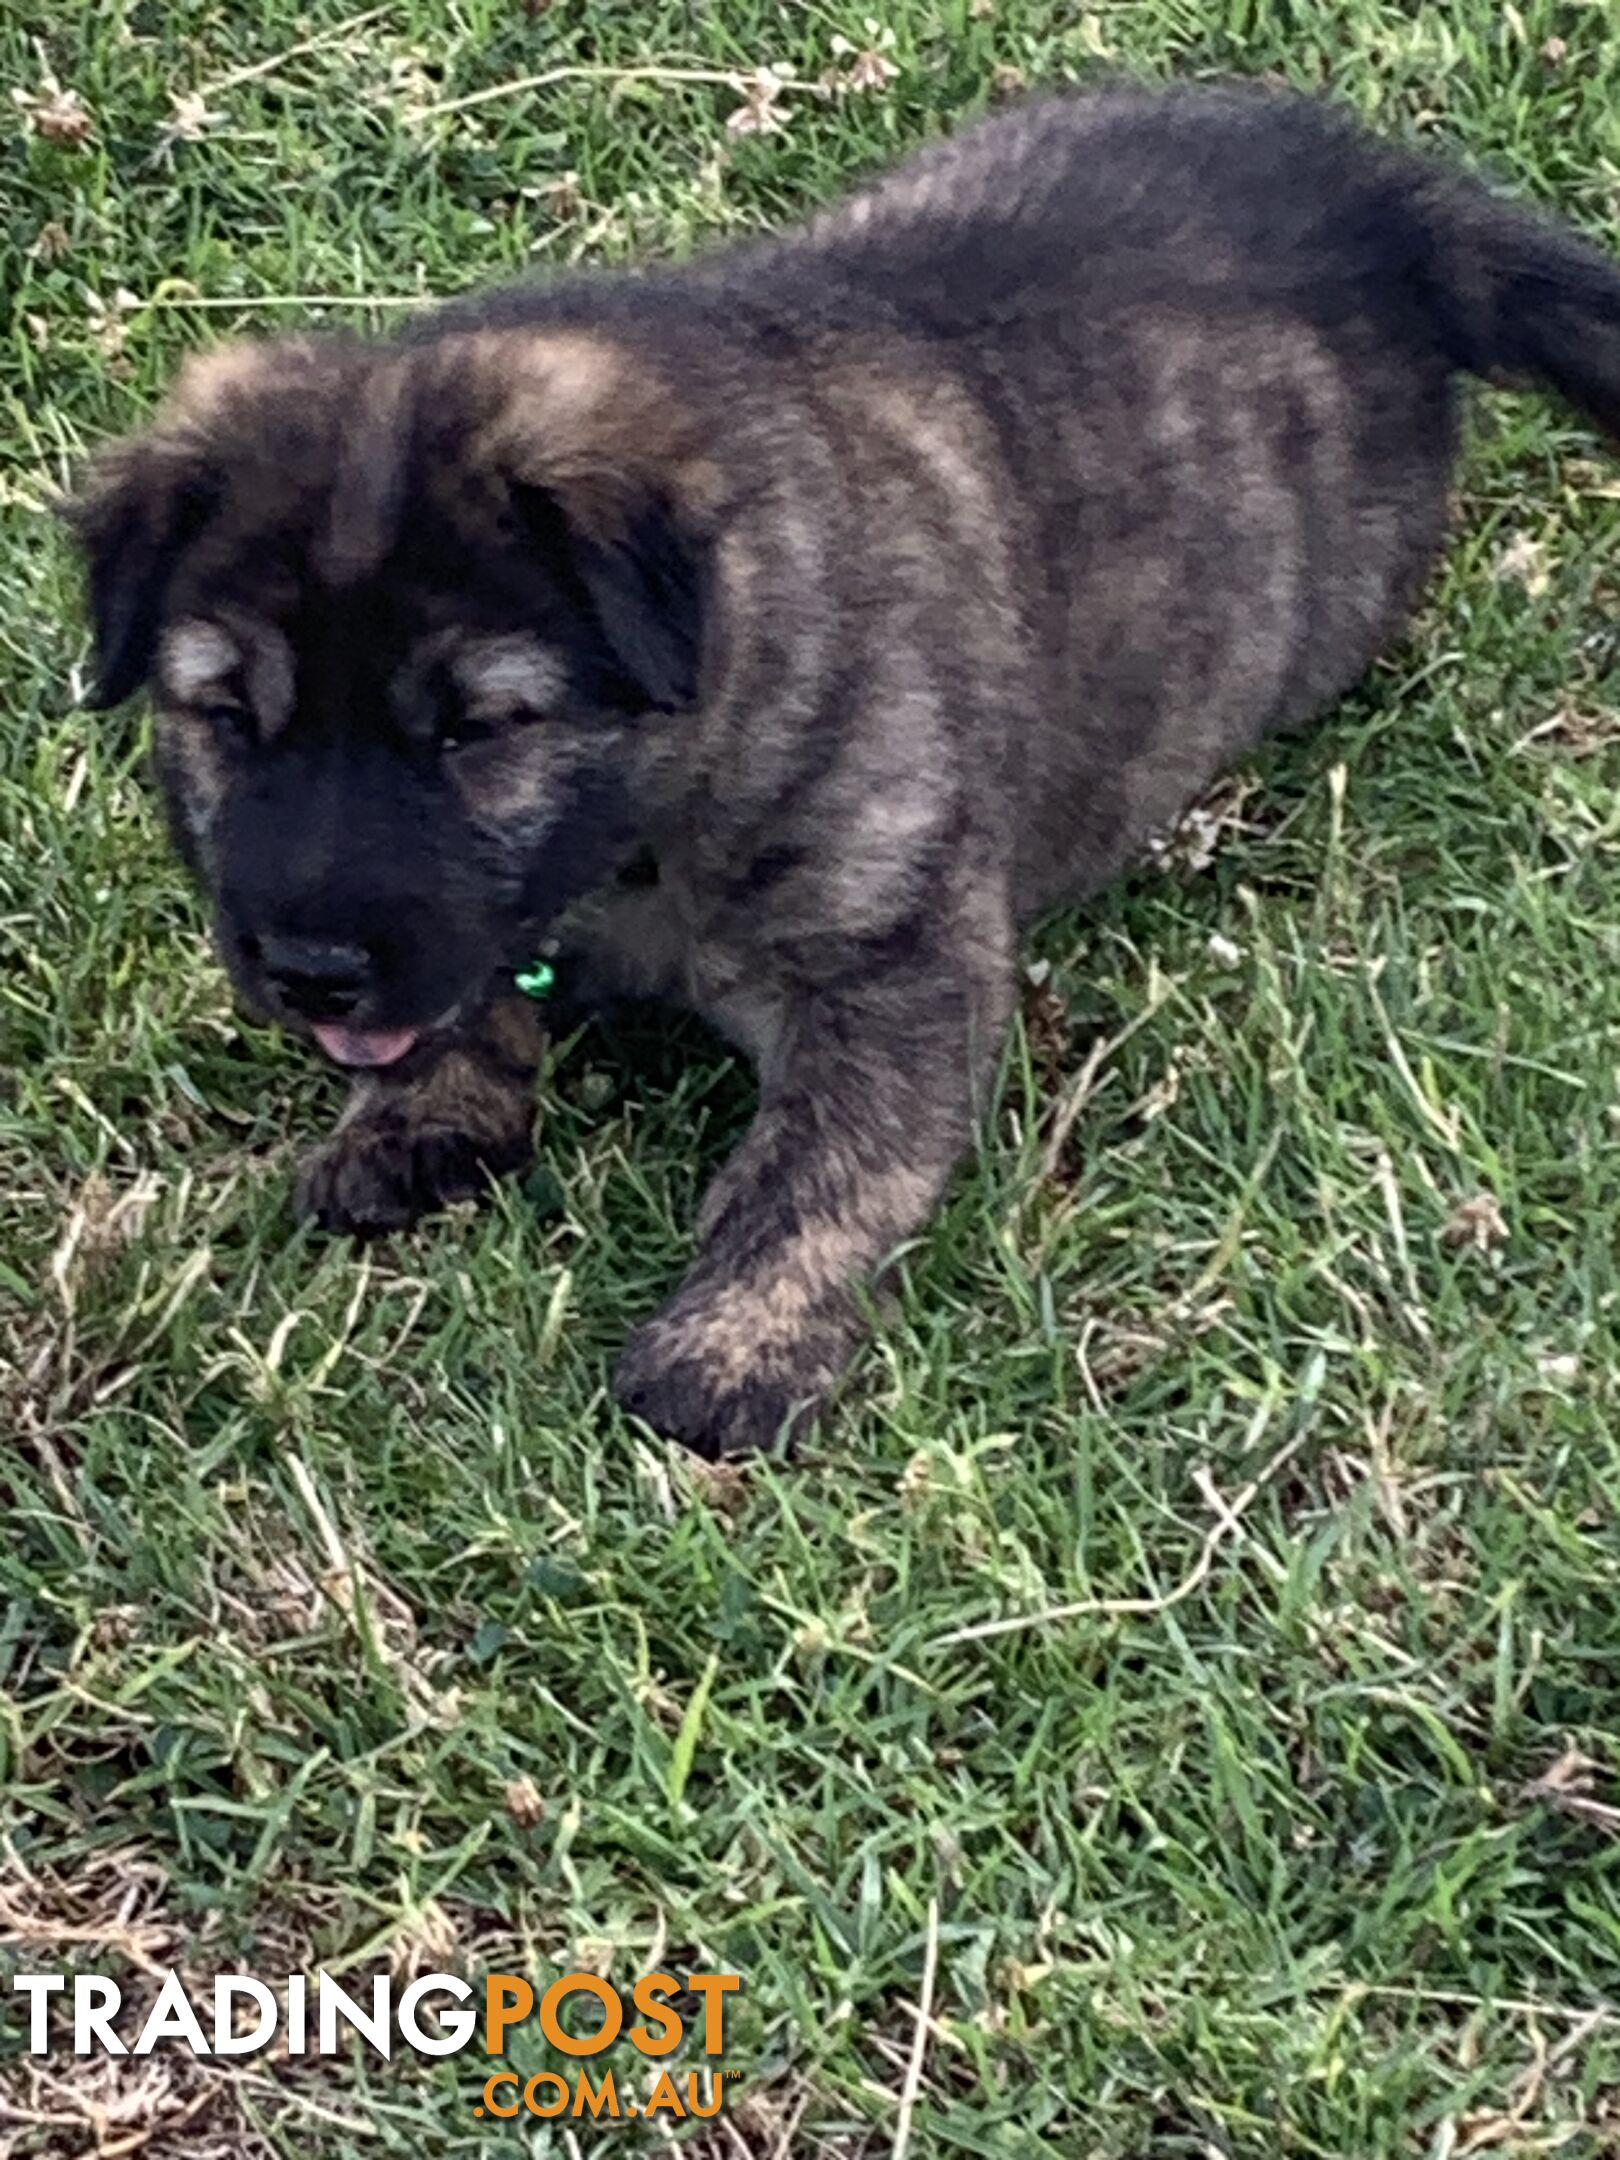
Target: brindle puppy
(881, 585)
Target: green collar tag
(537, 979)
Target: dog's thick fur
(785, 630)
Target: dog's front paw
(716, 1371)
(382, 1171)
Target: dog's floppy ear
(144, 502)
(613, 484)
(641, 574)
(147, 498)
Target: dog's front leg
(461, 1113)
(864, 1109)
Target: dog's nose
(316, 977)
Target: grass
(313, 1559)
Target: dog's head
(418, 621)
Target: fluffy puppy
(783, 631)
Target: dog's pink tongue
(365, 1046)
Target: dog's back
(1217, 335)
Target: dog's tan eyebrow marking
(501, 673)
(197, 657)
(198, 660)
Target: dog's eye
(226, 718)
(465, 730)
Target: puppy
(780, 633)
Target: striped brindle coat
(782, 632)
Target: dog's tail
(1521, 296)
